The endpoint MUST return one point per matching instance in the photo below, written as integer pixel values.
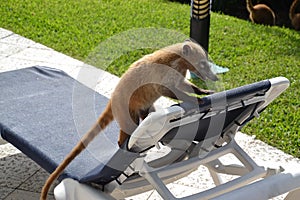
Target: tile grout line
(17, 187)
(11, 34)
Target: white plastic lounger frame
(241, 188)
(264, 182)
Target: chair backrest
(220, 111)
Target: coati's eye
(203, 64)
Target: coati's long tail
(103, 121)
(292, 9)
(249, 6)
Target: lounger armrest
(153, 128)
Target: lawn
(112, 34)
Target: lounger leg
(157, 183)
(216, 178)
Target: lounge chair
(44, 112)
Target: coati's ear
(186, 49)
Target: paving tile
(36, 182)
(178, 191)
(9, 37)
(15, 169)
(45, 55)
(4, 33)
(15, 39)
(2, 141)
(2, 57)
(5, 191)
(142, 196)
(25, 195)
(7, 150)
(9, 49)
(198, 179)
(9, 63)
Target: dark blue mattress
(44, 113)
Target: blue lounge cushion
(44, 113)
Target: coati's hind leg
(122, 137)
(136, 118)
(145, 112)
(127, 126)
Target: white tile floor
(21, 178)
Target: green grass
(86, 30)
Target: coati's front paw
(208, 91)
(202, 91)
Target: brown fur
(260, 14)
(295, 17)
(159, 74)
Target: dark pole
(200, 21)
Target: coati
(161, 73)
(295, 17)
(260, 13)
